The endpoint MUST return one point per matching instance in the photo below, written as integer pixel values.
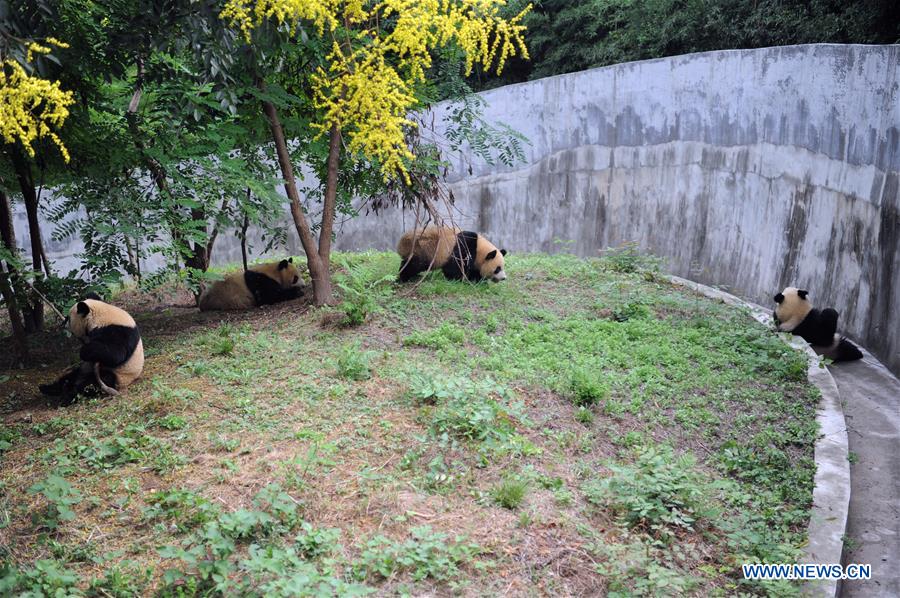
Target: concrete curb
(831, 494)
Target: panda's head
(287, 273)
(91, 313)
(791, 304)
(490, 260)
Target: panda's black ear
(82, 308)
(491, 255)
(282, 264)
(291, 260)
(802, 293)
(94, 296)
(502, 252)
(779, 298)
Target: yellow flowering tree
(377, 55)
(32, 108)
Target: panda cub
(112, 354)
(264, 284)
(461, 255)
(795, 314)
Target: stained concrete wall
(749, 169)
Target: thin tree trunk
(331, 181)
(35, 317)
(15, 317)
(318, 269)
(244, 226)
(212, 237)
(7, 231)
(8, 237)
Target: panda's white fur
(459, 254)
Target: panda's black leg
(56, 388)
(410, 268)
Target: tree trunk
(8, 237)
(7, 232)
(20, 345)
(319, 271)
(331, 181)
(34, 314)
(244, 226)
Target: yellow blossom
(368, 88)
(31, 107)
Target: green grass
(666, 436)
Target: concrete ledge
(831, 494)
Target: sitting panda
(460, 254)
(795, 314)
(112, 354)
(264, 284)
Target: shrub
(585, 389)
(585, 416)
(627, 258)
(359, 285)
(660, 491)
(60, 495)
(353, 363)
(510, 493)
(427, 554)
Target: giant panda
(264, 284)
(112, 353)
(795, 314)
(459, 254)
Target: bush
(659, 492)
(627, 258)
(510, 493)
(353, 363)
(585, 389)
(359, 285)
(427, 554)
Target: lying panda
(264, 284)
(112, 353)
(795, 314)
(459, 254)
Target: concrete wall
(748, 169)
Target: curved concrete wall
(750, 169)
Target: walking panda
(459, 254)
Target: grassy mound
(582, 428)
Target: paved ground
(871, 398)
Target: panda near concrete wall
(795, 314)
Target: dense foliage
(572, 35)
